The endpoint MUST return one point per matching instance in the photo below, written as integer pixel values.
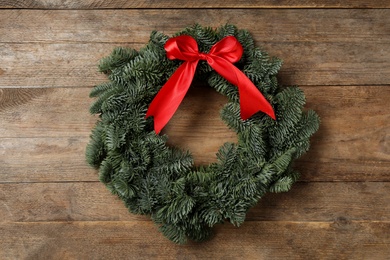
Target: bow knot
(220, 58)
(202, 56)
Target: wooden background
(51, 203)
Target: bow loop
(183, 47)
(229, 48)
(220, 58)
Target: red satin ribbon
(220, 58)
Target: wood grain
(91, 201)
(44, 160)
(45, 112)
(44, 133)
(141, 240)
(51, 65)
(134, 26)
(33, 65)
(118, 4)
(61, 48)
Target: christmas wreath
(145, 88)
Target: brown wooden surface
(312, 43)
(88, 201)
(351, 145)
(118, 4)
(253, 240)
(51, 203)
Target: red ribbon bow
(220, 58)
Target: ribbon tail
(251, 99)
(168, 99)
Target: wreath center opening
(197, 125)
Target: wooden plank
(75, 65)
(141, 240)
(45, 112)
(91, 201)
(117, 4)
(44, 160)
(71, 201)
(134, 26)
(319, 47)
(351, 145)
(51, 65)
